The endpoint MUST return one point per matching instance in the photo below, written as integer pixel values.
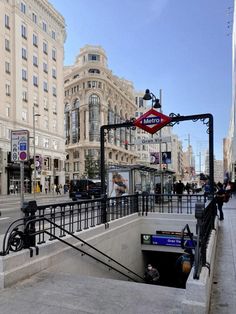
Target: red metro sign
(152, 121)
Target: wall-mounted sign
(19, 145)
(165, 240)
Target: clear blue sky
(179, 46)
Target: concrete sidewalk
(61, 292)
(223, 296)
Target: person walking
(220, 195)
(151, 275)
(58, 190)
(179, 188)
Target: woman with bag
(220, 195)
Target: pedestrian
(206, 188)
(151, 275)
(46, 187)
(65, 188)
(220, 195)
(11, 188)
(179, 188)
(184, 265)
(188, 187)
(58, 190)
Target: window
(34, 18)
(54, 107)
(45, 86)
(23, 31)
(76, 166)
(94, 100)
(35, 40)
(54, 91)
(54, 54)
(45, 26)
(35, 60)
(45, 142)
(53, 34)
(93, 57)
(46, 122)
(54, 125)
(7, 44)
(55, 144)
(24, 53)
(94, 71)
(23, 7)
(7, 89)
(7, 67)
(45, 103)
(45, 48)
(35, 101)
(54, 73)
(35, 80)
(67, 164)
(45, 67)
(7, 110)
(24, 95)
(24, 115)
(24, 74)
(7, 21)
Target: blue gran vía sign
(165, 240)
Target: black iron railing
(76, 216)
(54, 221)
(205, 216)
(123, 270)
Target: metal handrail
(80, 250)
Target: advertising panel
(154, 158)
(118, 183)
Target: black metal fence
(76, 216)
(205, 216)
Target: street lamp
(34, 179)
(150, 96)
(156, 103)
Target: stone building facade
(32, 52)
(94, 96)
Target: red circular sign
(23, 155)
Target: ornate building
(94, 96)
(31, 87)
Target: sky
(181, 47)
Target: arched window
(94, 100)
(94, 117)
(94, 71)
(76, 104)
(75, 122)
(67, 122)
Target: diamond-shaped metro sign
(152, 121)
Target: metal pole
(21, 183)
(34, 178)
(211, 154)
(160, 148)
(102, 161)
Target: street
(10, 206)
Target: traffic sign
(19, 145)
(152, 121)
